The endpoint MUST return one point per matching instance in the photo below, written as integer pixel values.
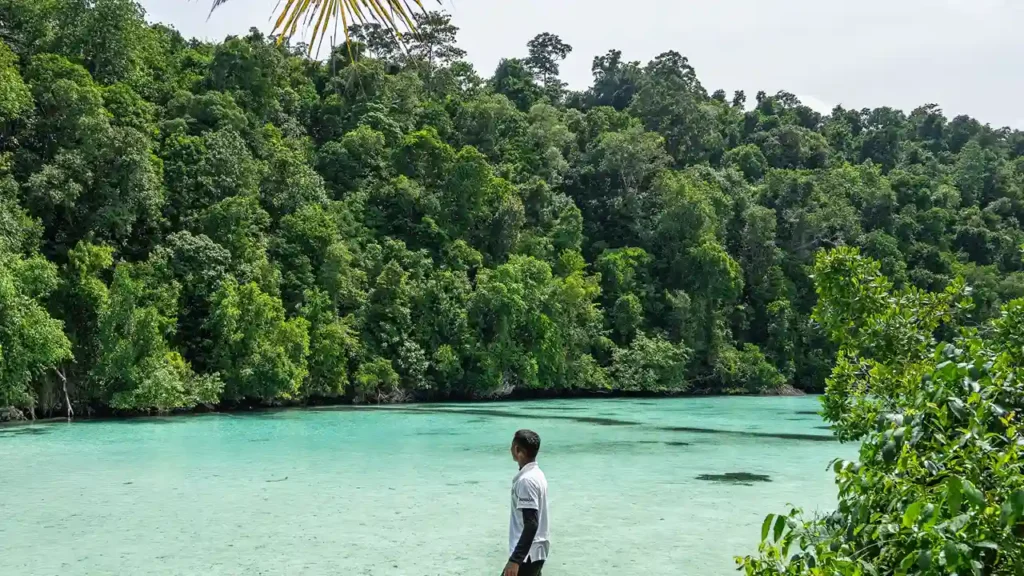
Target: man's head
(525, 445)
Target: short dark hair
(529, 441)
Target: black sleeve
(526, 540)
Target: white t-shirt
(530, 491)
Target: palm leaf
(394, 15)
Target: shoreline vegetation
(341, 403)
(187, 223)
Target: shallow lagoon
(414, 490)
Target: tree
(15, 99)
(84, 176)
(376, 380)
(615, 81)
(746, 371)
(137, 369)
(513, 79)
(79, 301)
(434, 39)
(206, 169)
(616, 195)
(359, 158)
(886, 337)
(669, 100)
(747, 159)
(652, 365)
(259, 353)
(546, 50)
(333, 344)
(32, 342)
(533, 328)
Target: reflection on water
(27, 430)
(377, 490)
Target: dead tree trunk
(67, 398)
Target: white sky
(965, 55)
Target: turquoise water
(416, 491)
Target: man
(528, 527)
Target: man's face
(515, 451)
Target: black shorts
(530, 568)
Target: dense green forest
(186, 223)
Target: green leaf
(780, 527)
(974, 496)
(928, 515)
(908, 561)
(889, 452)
(952, 555)
(911, 513)
(924, 560)
(988, 545)
(1006, 516)
(957, 523)
(766, 526)
(958, 408)
(954, 495)
(1016, 500)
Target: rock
(11, 414)
(785, 390)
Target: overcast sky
(965, 55)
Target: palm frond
(316, 15)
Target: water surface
(651, 487)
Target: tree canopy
(193, 223)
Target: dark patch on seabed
(610, 445)
(516, 415)
(779, 435)
(809, 412)
(555, 408)
(439, 433)
(602, 421)
(628, 445)
(142, 420)
(23, 431)
(738, 478)
(606, 422)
